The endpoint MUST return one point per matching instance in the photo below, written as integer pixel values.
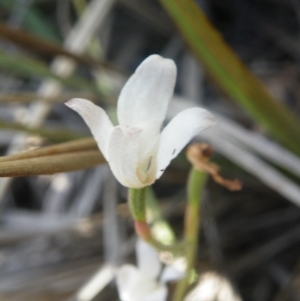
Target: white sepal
(180, 130)
(96, 119)
(123, 155)
(146, 95)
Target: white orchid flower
(143, 283)
(136, 150)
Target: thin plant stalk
(196, 182)
(137, 204)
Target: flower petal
(160, 294)
(123, 155)
(96, 119)
(170, 273)
(132, 284)
(147, 259)
(145, 97)
(181, 129)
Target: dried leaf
(199, 154)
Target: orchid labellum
(147, 281)
(137, 150)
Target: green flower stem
(137, 204)
(196, 183)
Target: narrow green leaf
(232, 75)
(29, 67)
(28, 41)
(35, 22)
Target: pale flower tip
(70, 102)
(212, 120)
(74, 103)
(154, 57)
(157, 61)
(209, 118)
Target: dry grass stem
(62, 148)
(51, 164)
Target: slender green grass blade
(232, 75)
(25, 66)
(36, 22)
(50, 49)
